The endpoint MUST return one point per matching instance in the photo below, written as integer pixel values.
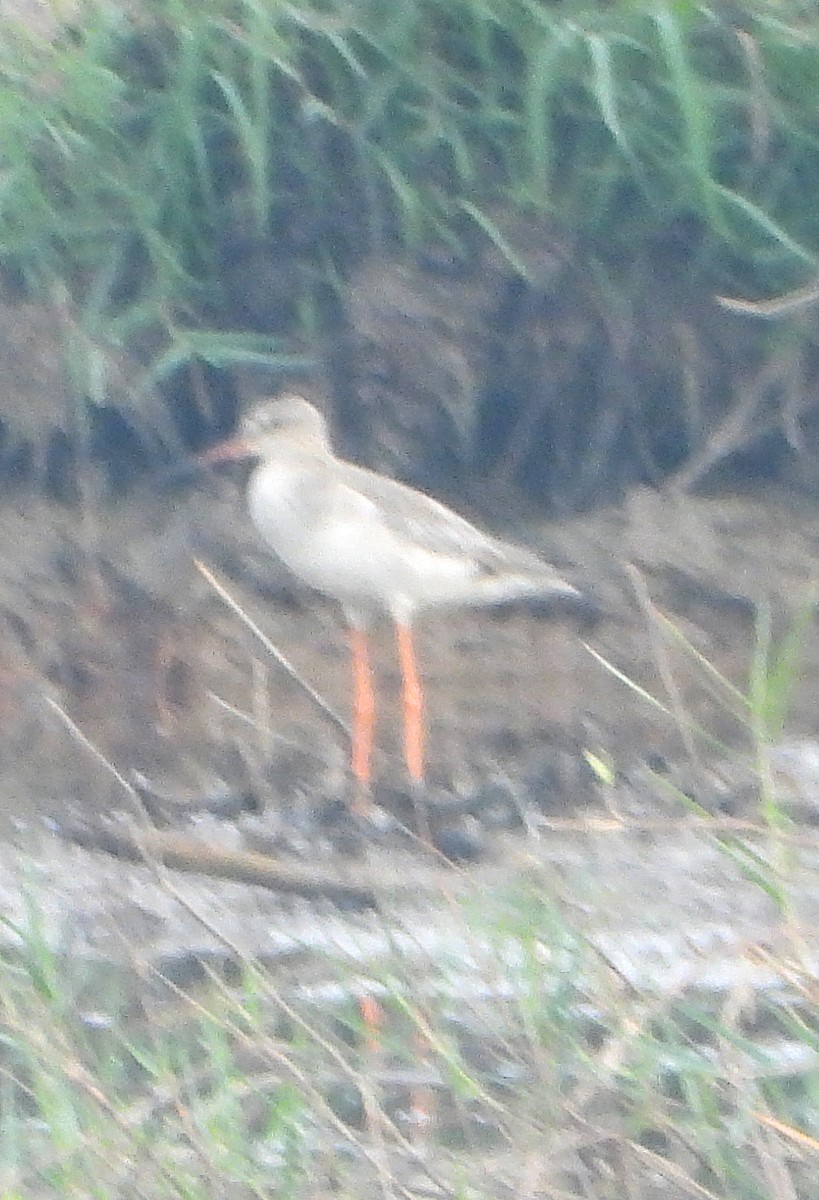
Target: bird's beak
(230, 451)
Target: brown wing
(415, 517)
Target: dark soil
(119, 658)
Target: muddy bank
(120, 658)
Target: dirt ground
(119, 658)
(108, 619)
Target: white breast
(326, 537)
(335, 539)
(275, 505)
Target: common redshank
(376, 546)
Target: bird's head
(270, 425)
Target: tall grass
(382, 123)
(211, 161)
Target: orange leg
(363, 708)
(413, 705)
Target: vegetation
(204, 182)
(536, 1062)
(395, 124)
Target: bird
(379, 547)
